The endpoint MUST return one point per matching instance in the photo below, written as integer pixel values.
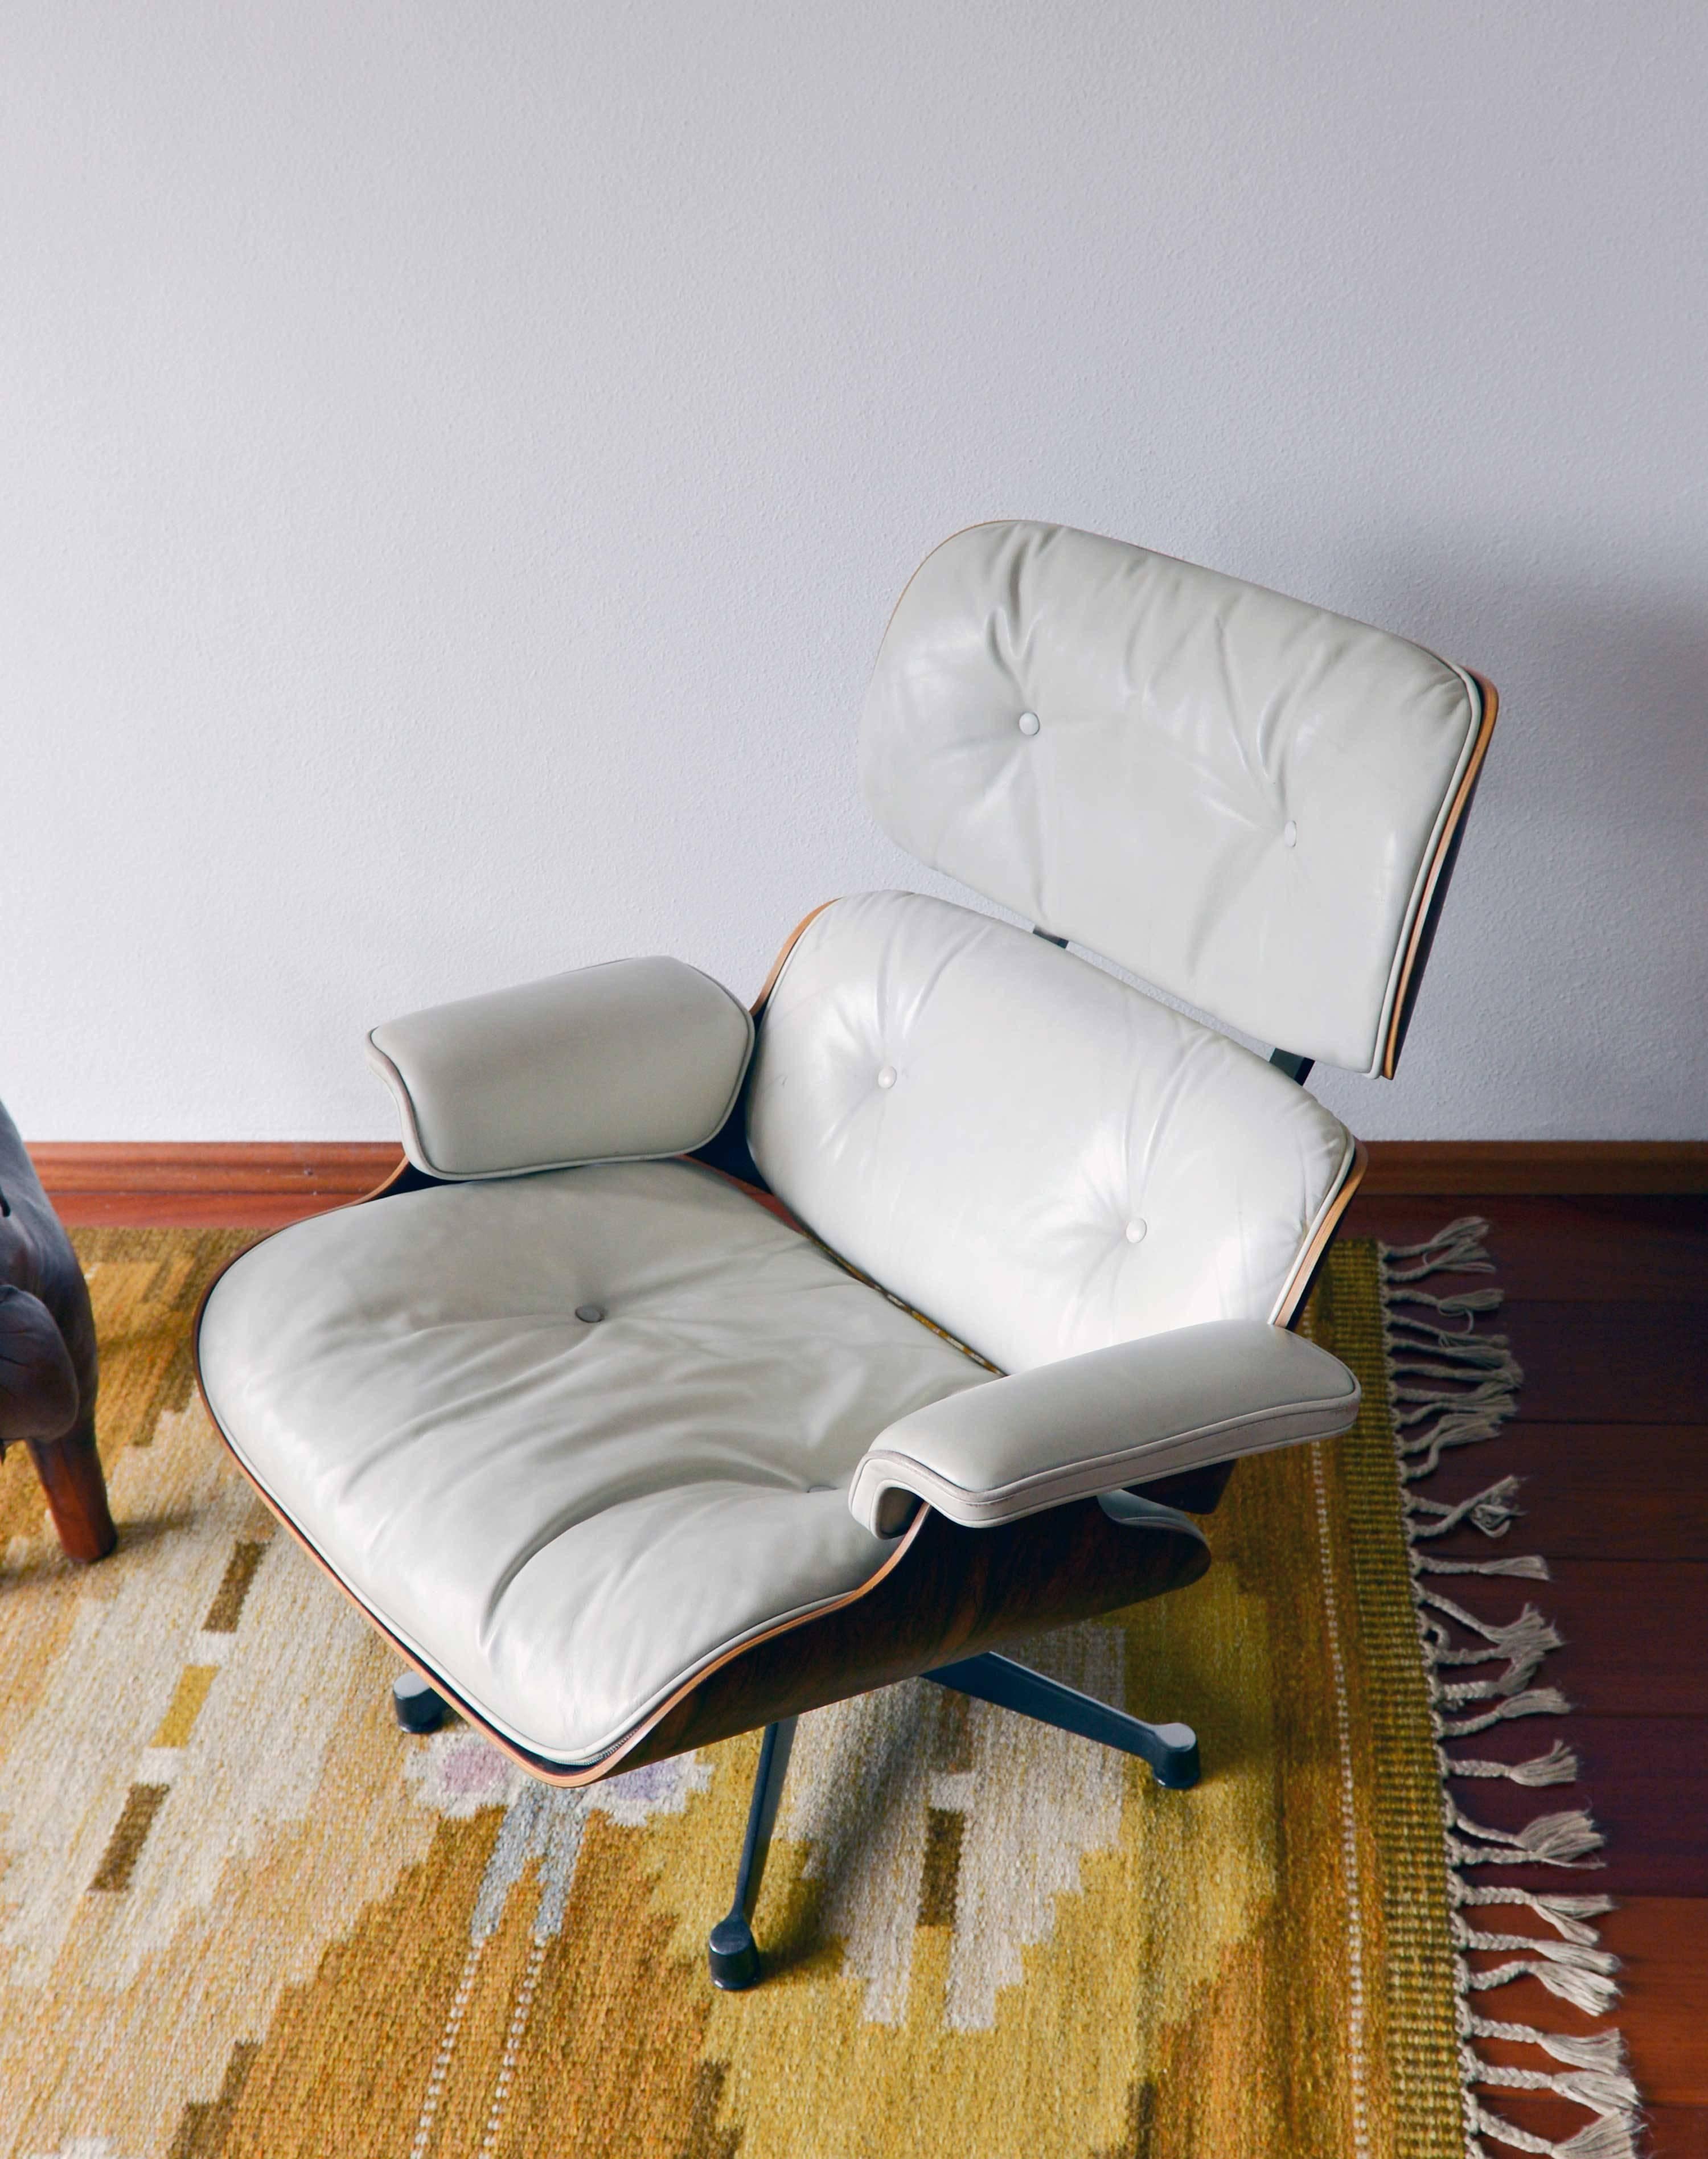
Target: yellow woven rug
(241, 1914)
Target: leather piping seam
(985, 1506)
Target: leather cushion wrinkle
(1059, 1162)
(566, 1519)
(1233, 793)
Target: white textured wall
(456, 463)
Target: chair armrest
(1092, 1424)
(631, 1061)
(38, 1396)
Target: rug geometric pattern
(243, 1916)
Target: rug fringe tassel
(1562, 1839)
(1465, 1302)
(1451, 1388)
(1565, 1914)
(1558, 1766)
(1535, 1702)
(1577, 1973)
(1492, 1511)
(1455, 1431)
(1530, 1566)
(1524, 1642)
(1457, 1250)
(1612, 2136)
(1592, 2087)
(1593, 1992)
(1439, 1355)
(1510, 1691)
(1598, 2050)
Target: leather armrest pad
(1094, 1423)
(631, 1061)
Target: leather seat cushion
(565, 1518)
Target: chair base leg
(1171, 1749)
(731, 1952)
(417, 1705)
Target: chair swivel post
(731, 1949)
(1171, 1749)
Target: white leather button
(589, 1312)
(1028, 723)
(1290, 834)
(887, 1076)
(1136, 1231)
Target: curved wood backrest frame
(1309, 1264)
(1436, 884)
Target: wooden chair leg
(71, 1472)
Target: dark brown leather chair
(49, 1370)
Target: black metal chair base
(731, 1952)
(416, 1705)
(734, 1956)
(1171, 1749)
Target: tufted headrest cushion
(1238, 796)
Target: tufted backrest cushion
(1033, 1154)
(1239, 797)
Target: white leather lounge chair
(622, 1461)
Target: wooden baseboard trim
(323, 1172)
(315, 1169)
(1427, 1167)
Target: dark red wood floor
(1607, 1312)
